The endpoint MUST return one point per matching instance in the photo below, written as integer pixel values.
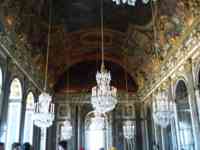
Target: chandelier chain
(48, 46)
(102, 34)
(126, 76)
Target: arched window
(186, 138)
(28, 124)
(95, 126)
(14, 113)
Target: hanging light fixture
(129, 134)
(104, 96)
(129, 129)
(44, 109)
(129, 125)
(67, 128)
(163, 109)
(130, 2)
(66, 131)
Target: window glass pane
(30, 101)
(28, 124)
(92, 143)
(96, 126)
(15, 90)
(184, 118)
(14, 113)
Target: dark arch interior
(181, 90)
(182, 95)
(81, 77)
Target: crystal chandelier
(43, 116)
(129, 129)
(163, 109)
(44, 111)
(131, 2)
(104, 96)
(66, 131)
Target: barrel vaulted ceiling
(75, 37)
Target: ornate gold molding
(187, 45)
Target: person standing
(2, 146)
(16, 146)
(62, 145)
(26, 146)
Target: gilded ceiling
(75, 34)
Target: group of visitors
(27, 146)
(17, 146)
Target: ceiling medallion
(131, 2)
(104, 96)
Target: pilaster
(193, 104)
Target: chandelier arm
(102, 35)
(48, 46)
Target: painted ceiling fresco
(75, 35)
